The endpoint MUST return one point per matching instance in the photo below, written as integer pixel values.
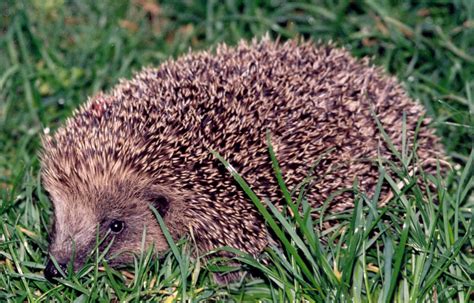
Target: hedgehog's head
(104, 210)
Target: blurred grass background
(55, 53)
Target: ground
(55, 53)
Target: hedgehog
(148, 141)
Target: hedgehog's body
(150, 139)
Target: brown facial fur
(83, 211)
(151, 136)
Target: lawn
(55, 53)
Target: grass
(55, 53)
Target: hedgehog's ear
(161, 203)
(166, 199)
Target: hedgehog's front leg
(218, 223)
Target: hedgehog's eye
(116, 226)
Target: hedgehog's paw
(227, 278)
(230, 272)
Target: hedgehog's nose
(51, 272)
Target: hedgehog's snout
(51, 271)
